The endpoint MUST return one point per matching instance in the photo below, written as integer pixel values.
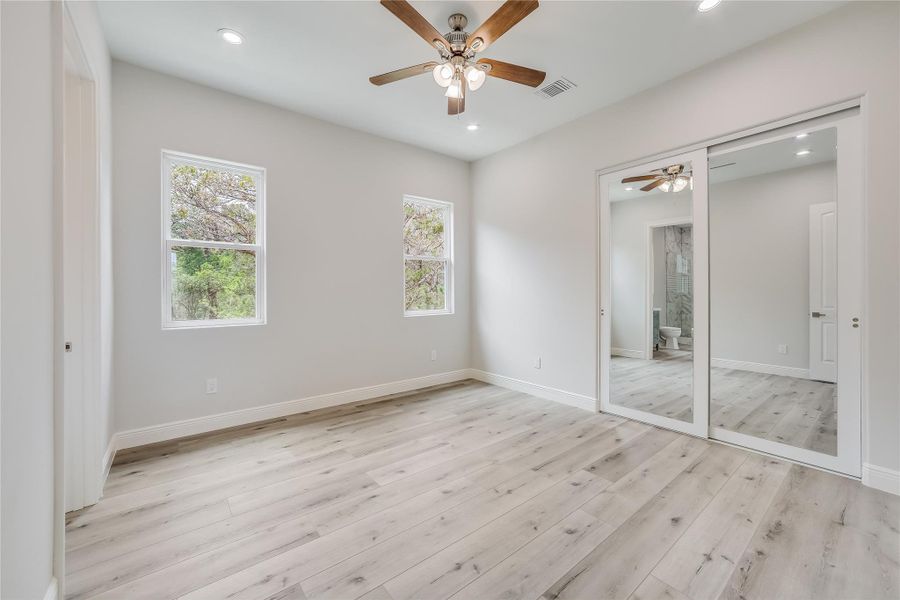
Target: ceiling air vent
(551, 90)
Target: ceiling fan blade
(404, 11)
(654, 185)
(515, 73)
(403, 73)
(499, 23)
(639, 178)
(456, 106)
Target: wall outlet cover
(537, 363)
(212, 385)
(782, 349)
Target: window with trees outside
(427, 256)
(213, 242)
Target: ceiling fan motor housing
(456, 37)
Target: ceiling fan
(673, 178)
(457, 70)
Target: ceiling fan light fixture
(679, 184)
(474, 77)
(665, 186)
(443, 74)
(454, 90)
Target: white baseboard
(179, 429)
(108, 457)
(741, 365)
(535, 389)
(880, 478)
(52, 590)
(626, 353)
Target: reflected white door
(823, 291)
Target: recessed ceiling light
(803, 152)
(800, 136)
(628, 189)
(472, 127)
(231, 36)
(706, 5)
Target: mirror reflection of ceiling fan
(457, 70)
(673, 178)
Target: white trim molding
(536, 389)
(108, 458)
(880, 478)
(52, 592)
(741, 365)
(245, 416)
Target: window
(213, 242)
(427, 256)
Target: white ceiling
(774, 156)
(316, 58)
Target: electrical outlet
(537, 363)
(212, 385)
(434, 355)
(782, 348)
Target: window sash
(447, 257)
(446, 215)
(169, 159)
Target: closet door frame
(850, 298)
(699, 425)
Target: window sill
(427, 313)
(182, 325)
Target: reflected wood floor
(793, 411)
(472, 491)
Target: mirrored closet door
(785, 248)
(730, 292)
(653, 293)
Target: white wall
(535, 207)
(759, 264)
(628, 263)
(334, 273)
(26, 299)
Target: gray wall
(759, 264)
(628, 262)
(26, 300)
(334, 273)
(535, 205)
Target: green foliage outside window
(426, 262)
(218, 206)
(211, 283)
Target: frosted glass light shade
(474, 78)
(443, 74)
(454, 90)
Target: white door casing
(80, 279)
(823, 291)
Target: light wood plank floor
(472, 491)
(797, 412)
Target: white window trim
(259, 248)
(449, 287)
